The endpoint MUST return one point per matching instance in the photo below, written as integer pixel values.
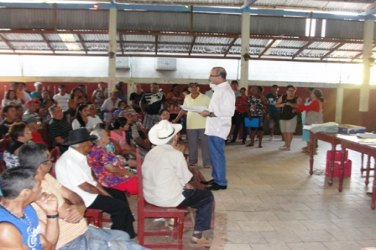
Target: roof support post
(244, 52)
(112, 34)
(368, 28)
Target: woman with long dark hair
(81, 117)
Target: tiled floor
(273, 203)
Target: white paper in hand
(197, 109)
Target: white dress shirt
(165, 173)
(222, 104)
(73, 170)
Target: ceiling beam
(230, 46)
(121, 43)
(47, 42)
(156, 45)
(82, 43)
(266, 48)
(6, 42)
(331, 51)
(301, 49)
(191, 45)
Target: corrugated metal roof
(180, 34)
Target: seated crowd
(96, 139)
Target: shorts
(288, 126)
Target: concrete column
(368, 27)
(339, 105)
(244, 61)
(112, 33)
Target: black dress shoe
(215, 187)
(208, 182)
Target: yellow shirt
(195, 120)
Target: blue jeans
(102, 239)
(218, 160)
(202, 200)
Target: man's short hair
(275, 86)
(14, 180)
(234, 82)
(7, 107)
(16, 130)
(290, 87)
(32, 155)
(221, 72)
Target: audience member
(10, 116)
(82, 118)
(37, 93)
(164, 114)
(166, 180)
(118, 136)
(314, 114)
(137, 131)
(19, 226)
(58, 127)
(19, 113)
(108, 106)
(241, 108)
(99, 94)
(62, 98)
(77, 97)
(34, 124)
(218, 125)
(74, 232)
(21, 93)
(273, 112)
(94, 119)
(151, 103)
(288, 121)
(135, 98)
(174, 99)
(32, 106)
(10, 98)
(73, 171)
(256, 112)
(19, 134)
(110, 170)
(196, 126)
(120, 90)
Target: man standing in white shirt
(218, 125)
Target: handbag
(253, 122)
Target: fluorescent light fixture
(323, 28)
(70, 52)
(70, 42)
(21, 51)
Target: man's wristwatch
(211, 114)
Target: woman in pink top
(119, 138)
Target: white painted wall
(142, 69)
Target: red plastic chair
(146, 210)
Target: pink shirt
(121, 139)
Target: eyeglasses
(214, 75)
(48, 161)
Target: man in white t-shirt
(62, 98)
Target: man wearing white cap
(166, 180)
